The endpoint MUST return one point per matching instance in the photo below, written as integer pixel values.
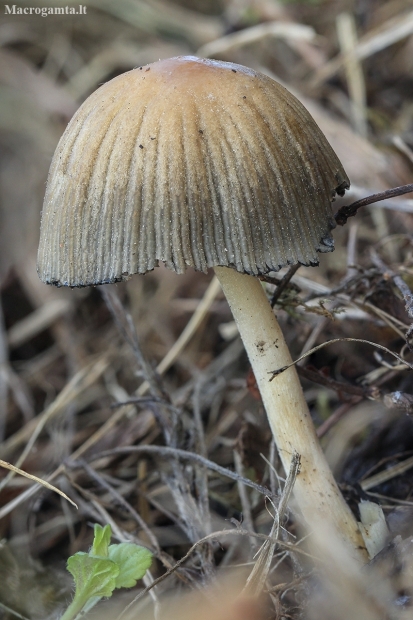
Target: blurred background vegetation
(64, 363)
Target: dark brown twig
(283, 283)
(347, 211)
(316, 376)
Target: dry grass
(179, 458)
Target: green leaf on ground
(133, 562)
(103, 569)
(93, 576)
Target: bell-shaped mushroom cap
(191, 162)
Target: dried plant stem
(17, 470)
(283, 283)
(315, 490)
(185, 455)
(388, 474)
(347, 211)
(256, 580)
(279, 371)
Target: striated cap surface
(192, 162)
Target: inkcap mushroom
(200, 163)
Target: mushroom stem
(316, 492)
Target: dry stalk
(256, 580)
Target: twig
(201, 475)
(282, 284)
(257, 578)
(166, 452)
(17, 470)
(387, 318)
(242, 492)
(383, 461)
(338, 386)
(386, 475)
(146, 401)
(393, 500)
(191, 327)
(352, 269)
(347, 211)
(274, 477)
(194, 514)
(312, 338)
(20, 391)
(37, 321)
(12, 612)
(277, 372)
(113, 420)
(281, 587)
(372, 42)
(400, 144)
(403, 205)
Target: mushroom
(200, 163)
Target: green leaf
(133, 562)
(93, 576)
(101, 541)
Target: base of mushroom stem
(315, 491)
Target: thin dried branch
(275, 373)
(258, 576)
(317, 376)
(19, 471)
(347, 211)
(168, 452)
(388, 474)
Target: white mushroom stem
(315, 490)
